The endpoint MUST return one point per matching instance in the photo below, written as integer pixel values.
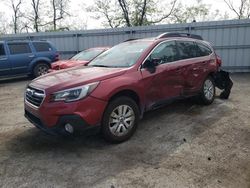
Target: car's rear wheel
(207, 93)
(120, 119)
(40, 69)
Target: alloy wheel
(208, 89)
(121, 120)
(42, 69)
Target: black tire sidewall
(105, 121)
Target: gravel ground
(180, 145)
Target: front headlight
(73, 94)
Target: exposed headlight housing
(73, 94)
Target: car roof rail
(171, 34)
(25, 39)
(131, 39)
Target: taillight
(57, 57)
(55, 67)
(218, 60)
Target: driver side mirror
(150, 65)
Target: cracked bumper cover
(224, 82)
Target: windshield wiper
(100, 66)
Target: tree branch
(167, 15)
(143, 12)
(124, 7)
(230, 5)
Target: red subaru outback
(117, 87)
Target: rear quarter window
(187, 49)
(203, 50)
(19, 48)
(42, 46)
(2, 51)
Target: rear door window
(187, 49)
(203, 50)
(19, 48)
(42, 46)
(2, 51)
(165, 52)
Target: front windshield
(122, 55)
(87, 55)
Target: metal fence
(230, 38)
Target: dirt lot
(180, 145)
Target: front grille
(34, 96)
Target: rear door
(191, 65)
(4, 62)
(44, 49)
(20, 57)
(204, 54)
(166, 82)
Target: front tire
(120, 120)
(40, 69)
(207, 93)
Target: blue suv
(32, 58)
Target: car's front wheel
(207, 93)
(40, 69)
(120, 119)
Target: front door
(166, 82)
(188, 57)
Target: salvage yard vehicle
(118, 86)
(80, 59)
(26, 58)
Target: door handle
(31, 56)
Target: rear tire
(40, 69)
(207, 93)
(120, 120)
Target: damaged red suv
(117, 87)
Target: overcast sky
(81, 17)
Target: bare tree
(124, 6)
(133, 12)
(167, 14)
(36, 17)
(242, 11)
(15, 5)
(109, 10)
(59, 11)
(5, 27)
(145, 12)
(142, 9)
(199, 11)
(185, 14)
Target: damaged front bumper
(223, 82)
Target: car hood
(74, 77)
(63, 64)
